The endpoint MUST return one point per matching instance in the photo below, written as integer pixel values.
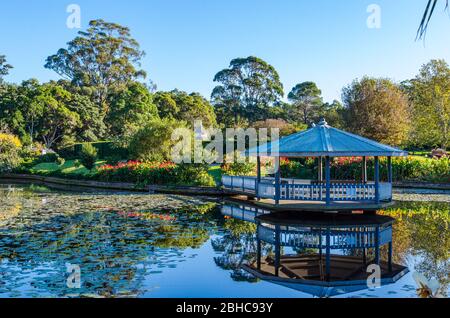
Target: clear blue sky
(188, 41)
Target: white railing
(305, 190)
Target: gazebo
(324, 143)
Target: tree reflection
(237, 246)
(422, 230)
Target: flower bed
(404, 169)
(163, 173)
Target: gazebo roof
(324, 140)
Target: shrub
(50, 157)
(154, 141)
(239, 169)
(10, 147)
(88, 156)
(105, 149)
(165, 173)
(60, 161)
(194, 174)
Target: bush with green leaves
(154, 141)
(10, 147)
(239, 169)
(50, 157)
(88, 156)
(164, 173)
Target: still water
(129, 245)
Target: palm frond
(429, 10)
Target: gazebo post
(390, 257)
(258, 254)
(258, 176)
(328, 255)
(389, 161)
(377, 180)
(277, 180)
(377, 245)
(328, 181)
(320, 169)
(364, 170)
(277, 250)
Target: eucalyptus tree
(247, 89)
(130, 109)
(305, 101)
(105, 57)
(186, 107)
(4, 67)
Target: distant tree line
(103, 94)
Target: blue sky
(188, 41)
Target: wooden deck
(311, 268)
(312, 206)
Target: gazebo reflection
(335, 249)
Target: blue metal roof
(324, 140)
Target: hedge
(105, 150)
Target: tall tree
(430, 97)
(378, 109)
(185, 107)
(248, 88)
(131, 108)
(4, 67)
(333, 113)
(104, 56)
(306, 100)
(57, 120)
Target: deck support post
(364, 170)
(258, 254)
(277, 180)
(377, 180)
(328, 256)
(258, 176)
(377, 245)
(320, 246)
(390, 257)
(328, 180)
(277, 250)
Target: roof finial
(322, 122)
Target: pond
(131, 245)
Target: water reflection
(142, 246)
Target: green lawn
(216, 173)
(68, 168)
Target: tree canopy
(377, 108)
(185, 107)
(429, 92)
(306, 100)
(4, 67)
(103, 56)
(247, 89)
